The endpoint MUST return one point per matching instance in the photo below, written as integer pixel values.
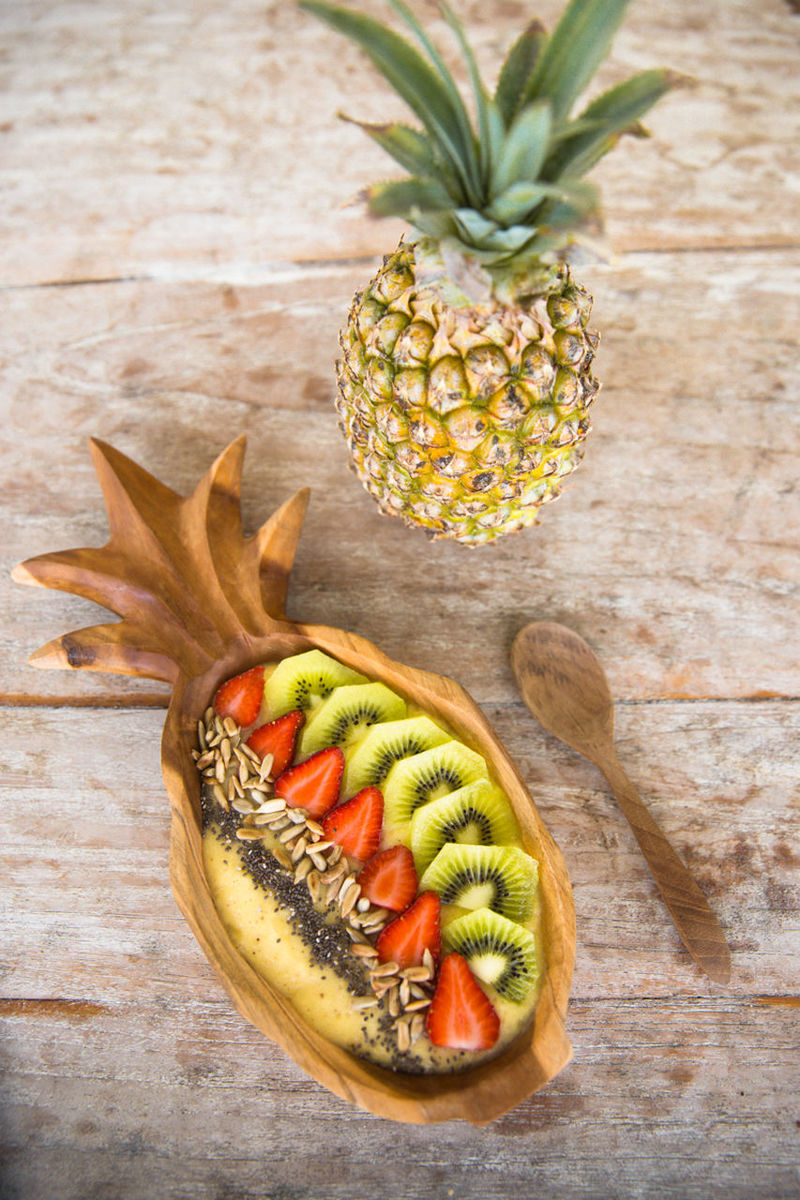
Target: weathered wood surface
(190, 158)
(202, 141)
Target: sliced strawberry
(407, 937)
(278, 739)
(461, 1015)
(389, 879)
(356, 824)
(313, 784)
(241, 696)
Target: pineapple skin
(463, 418)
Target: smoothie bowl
(351, 845)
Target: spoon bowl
(563, 684)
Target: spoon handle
(698, 927)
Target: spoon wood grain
(564, 686)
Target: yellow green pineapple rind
(465, 382)
(464, 421)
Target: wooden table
(176, 260)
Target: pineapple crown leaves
(507, 186)
(176, 569)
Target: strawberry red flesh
(461, 1015)
(313, 784)
(389, 879)
(356, 824)
(278, 739)
(240, 697)
(407, 937)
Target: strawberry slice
(278, 739)
(461, 1015)
(407, 937)
(241, 696)
(313, 784)
(389, 879)
(356, 824)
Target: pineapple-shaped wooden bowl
(200, 603)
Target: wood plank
(84, 849)
(138, 143)
(663, 1098)
(130, 1024)
(673, 550)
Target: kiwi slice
(415, 781)
(386, 744)
(477, 815)
(304, 681)
(347, 713)
(498, 951)
(502, 878)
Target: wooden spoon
(564, 686)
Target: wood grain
(181, 177)
(683, 518)
(206, 145)
(563, 684)
(198, 604)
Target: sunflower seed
(237, 787)
(387, 968)
(266, 766)
(319, 847)
(278, 824)
(403, 1036)
(299, 849)
(363, 904)
(394, 1003)
(230, 726)
(417, 1027)
(218, 793)
(298, 815)
(249, 753)
(416, 974)
(280, 855)
(364, 1002)
(219, 770)
(204, 760)
(316, 830)
(301, 870)
(364, 950)
(242, 805)
(405, 992)
(201, 735)
(272, 806)
(356, 935)
(208, 715)
(244, 773)
(225, 750)
(415, 1005)
(319, 860)
(349, 902)
(230, 791)
(247, 834)
(427, 960)
(335, 855)
(314, 885)
(289, 833)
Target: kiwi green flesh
(499, 952)
(477, 814)
(345, 716)
(428, 776)
(304, 681)
(384, 745)
(502, 878)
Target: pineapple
(465, 382)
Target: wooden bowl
(200, 603)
